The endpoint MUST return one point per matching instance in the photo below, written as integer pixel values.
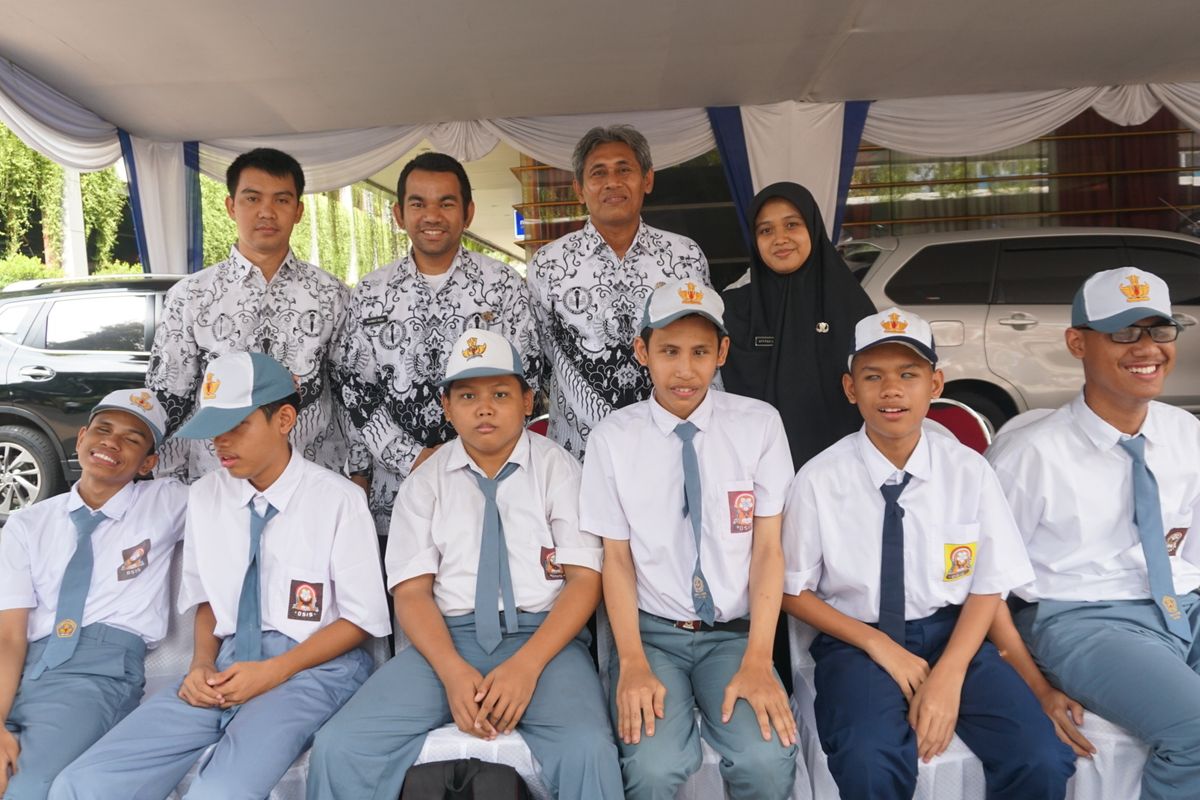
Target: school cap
(1117, 298)
(142, 404)
(677, 299)
(234, 386)
(479, 354)
(894, 325)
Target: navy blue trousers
(863, 727)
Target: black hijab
(790, 334)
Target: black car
(64, 344)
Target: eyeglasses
(1162, 334)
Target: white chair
(1115, 773)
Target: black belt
(736, 625)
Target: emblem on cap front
(141, 400)
(474, 349)
(1135, 291)
(210, 387)
(66, 629)
(894, 323)
(691, 295)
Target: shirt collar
(116, 506)
(408, 267)
(458, 457)
(641, 240)
(1105, 436)
(879, 469)
(243, 266)
(279, 493)
(666, 421)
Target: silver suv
(999, 301)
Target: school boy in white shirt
(687, 488)
(899, 546)
(282, 566)
(1105, 491)
(83, 591)
(493, 581)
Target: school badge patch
(134, 561)
(741, 512)
(307, 600)
(1175, 540)
(550, 566)
(959, 560)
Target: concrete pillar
(346, 196)
(74, 250)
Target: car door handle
(38, 373)
(1186, 320)
(1019, 321)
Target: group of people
(950, 595)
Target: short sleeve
(600, 510)
(802, 557)
(411, 550)
(1003, 564)
(16, 575)
(191, 587)
(774, 472)
(572, 545)
(354, 567)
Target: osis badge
(741, 512)
(1175, 539)
(134, 561)
(959, 561)
(550, 566)
(306, 601)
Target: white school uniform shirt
(131, 553)
(633, 489)
(1070, 486)
(437, 525)
(318, 562)
(959, 536)
(589, 305)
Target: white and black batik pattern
(230, 307)
(589, 305)
(392, 354)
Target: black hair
(271, 408)
(435, 162)
(276, 163)
(645, 334)
(525, 387)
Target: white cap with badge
(479, 353)
(142, 404)
(894, 325)
(676, 300)
(1116, 298)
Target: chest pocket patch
(959, 561)
(550, 566)
(741, 511)
(307, 601)
(1175, 539)
(134, 561)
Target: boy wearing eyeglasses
(1104, 492)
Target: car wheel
(29, 469)
(984, 405)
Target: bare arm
(13, 646)
(640, 694)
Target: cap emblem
(1135, 291)
(894, 324)
(210, 387)
(142, 400)
(691, 296)
(474, 349)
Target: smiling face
(115, 447)
(682, 359)
(434, 216)
(265, 208)
(614, 185)
(892, 386)
(781, 235)
(1121, 376)
(489, 415)
(257, 449)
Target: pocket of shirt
(1176, 528)
(956, 551)
(738, 506)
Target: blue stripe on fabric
(854, 119)
(135, 199)
(726, 122)
(195, 226)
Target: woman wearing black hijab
(791, 325)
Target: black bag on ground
(464, 779)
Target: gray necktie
(493, 576)
(1147, 514)
(891, 568)
(693, 508)
(247, 639)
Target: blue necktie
(891, 569)
(493, 577)
(693, 508)
(72, 595)
(1147, 515)
(247, 639)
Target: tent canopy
(228, 68)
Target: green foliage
(220, 232)
(22, 173)
(115, 267)
(20, 267)
(104, 199)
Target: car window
(1050, 270)
(14, 320)
(112, 322)
(859, 256)
(957, 272)
(1177, 263)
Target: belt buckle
(692, 625)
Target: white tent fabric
(965, 125)
(799, 142)
(162, 190)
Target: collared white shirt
(959, 536)
(393, 352)
(589, 306)
(633, 489)
(318, 562)
(437, 527)
(229, 307)
(131, 554)
(1070, 485)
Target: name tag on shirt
(379, 320)
(763, 342)
(134, 561)
(306, 602)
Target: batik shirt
(393, 352)
(230, 307)
(589, 305)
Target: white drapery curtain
(964, 125)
